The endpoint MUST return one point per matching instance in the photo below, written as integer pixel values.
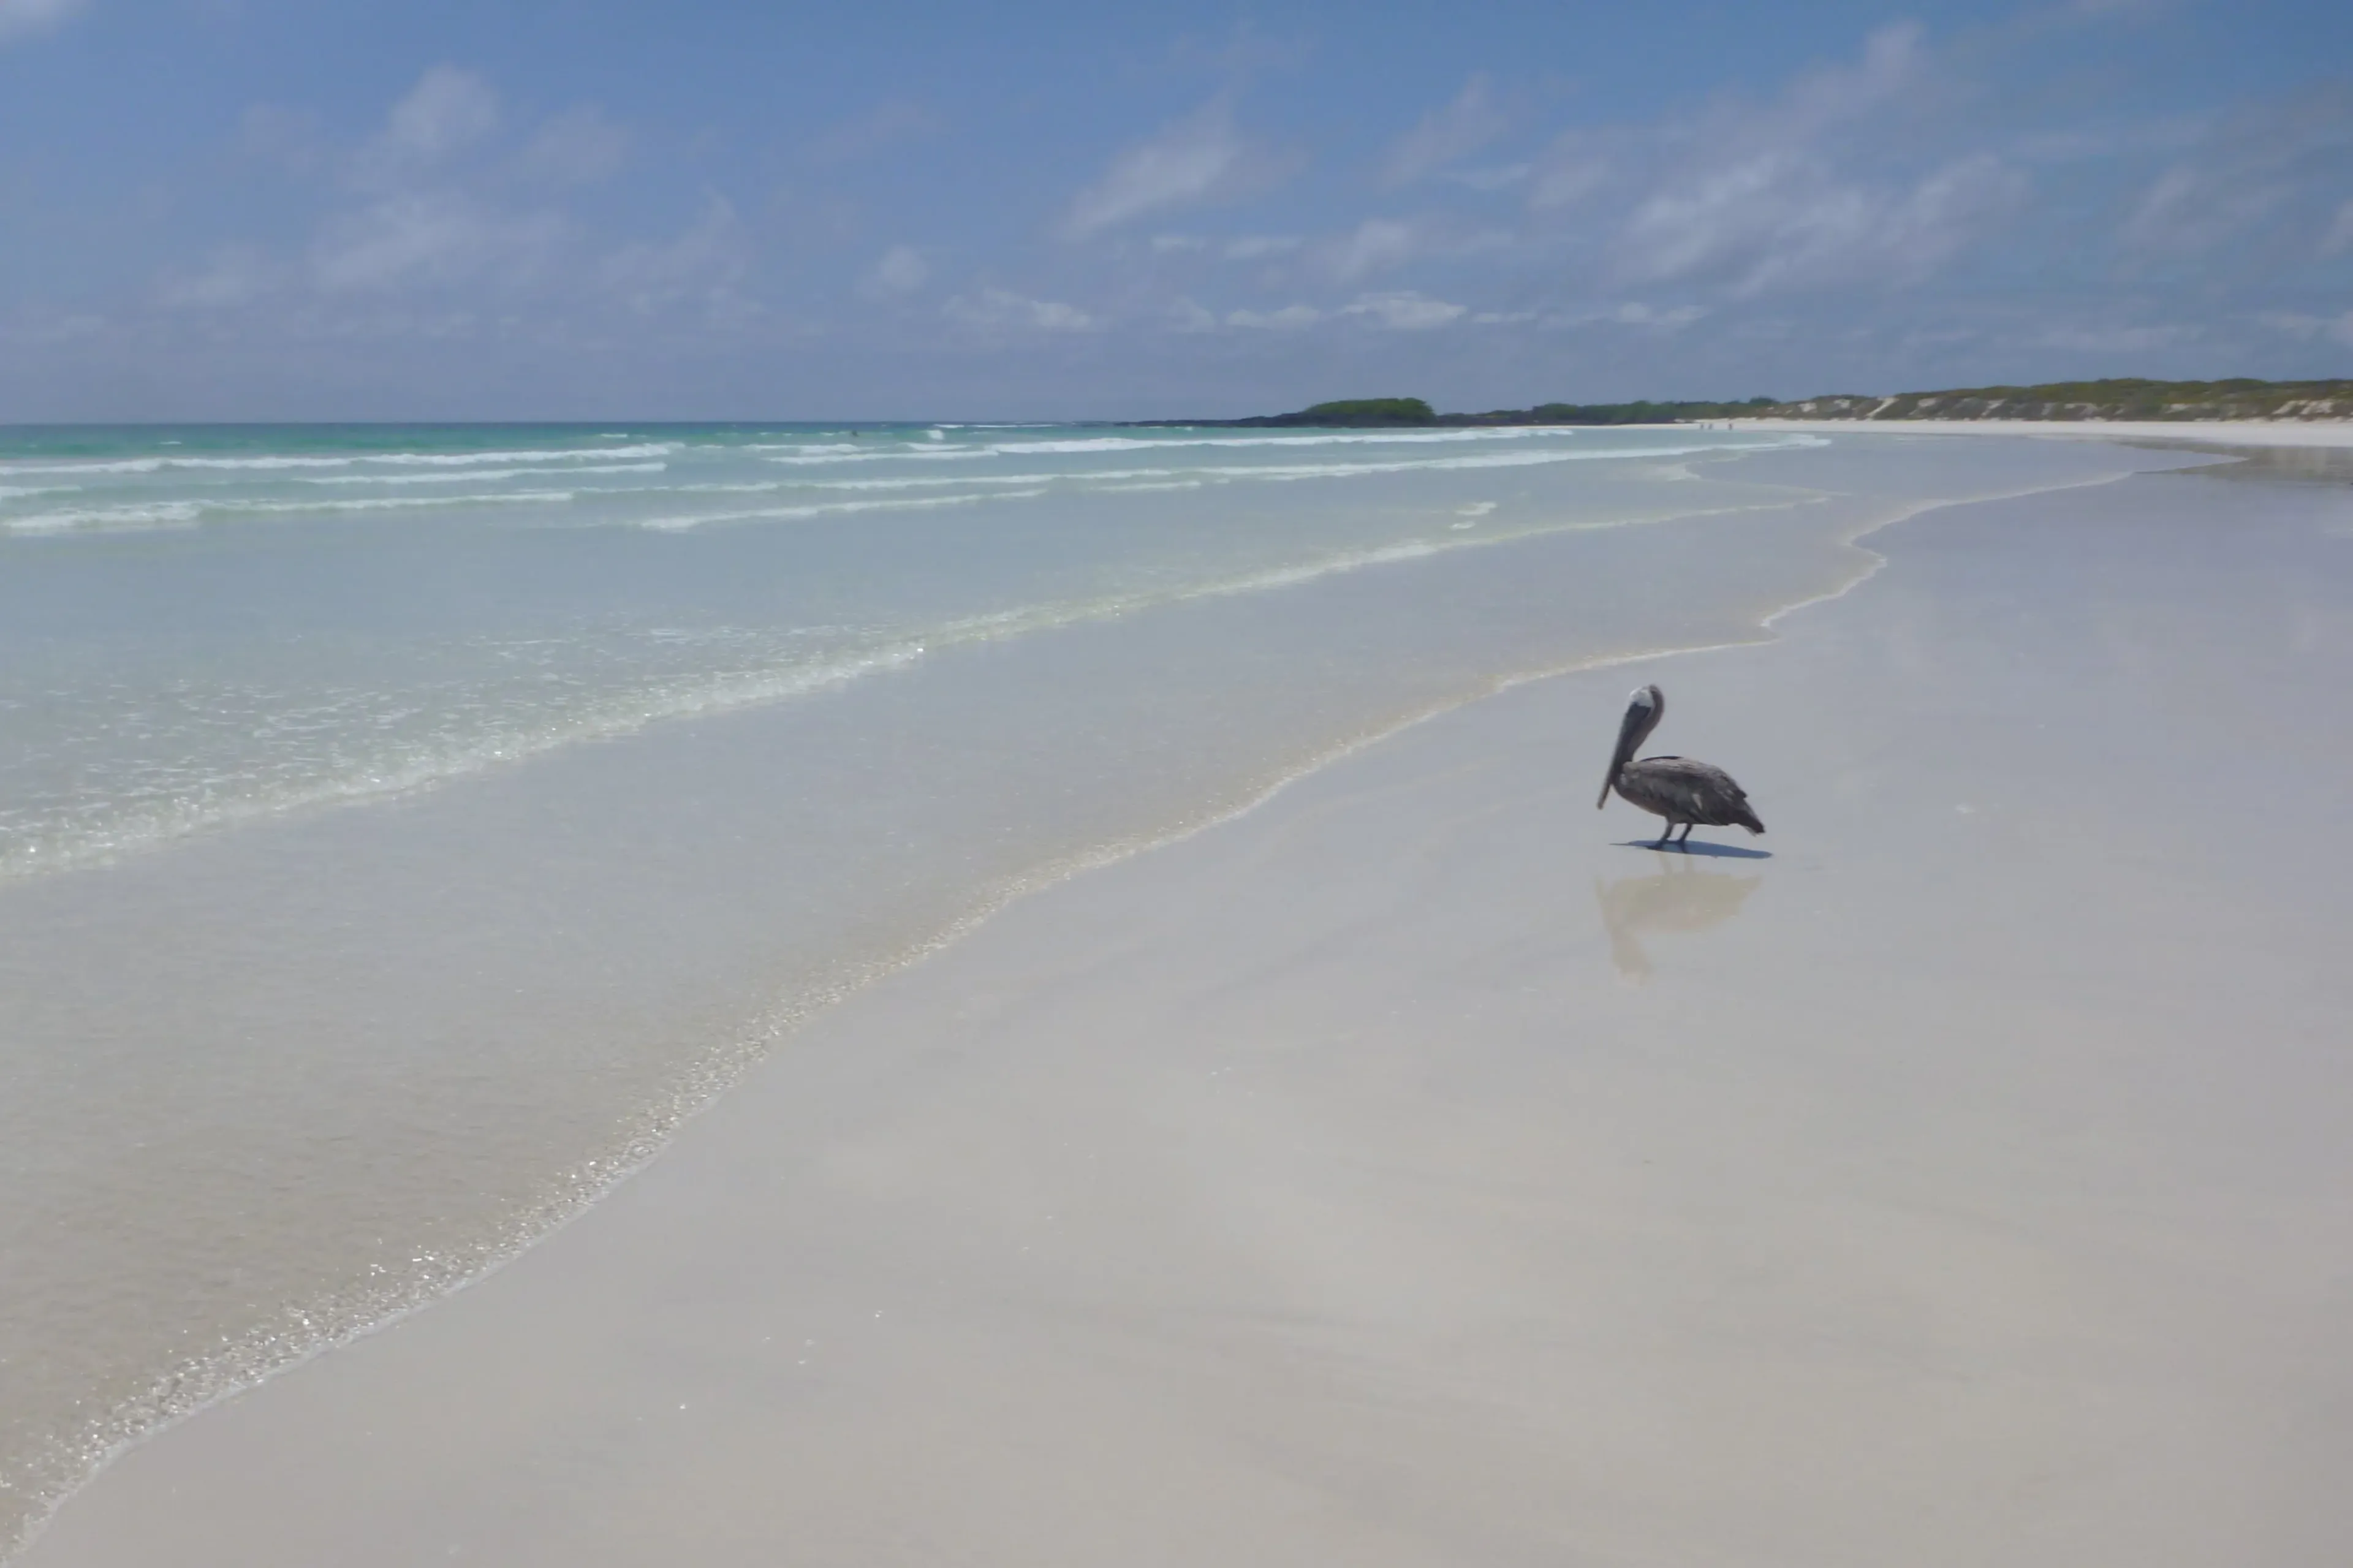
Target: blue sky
(253, 209)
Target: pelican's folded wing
(1698, 791)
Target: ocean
(404, 828)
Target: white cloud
(1289, 319)
(1403, 311)
(50, 327)
(1828, 96)
(236, 274)
(22, 18)
(1734, 142)
(1240, 247)
(2190, 209)
(2339, 236)
(421, 225)
(1198, 158)
(1789, 192)
(1636, 314)
(1376, 243)
(704, 263)
(2294, 323)
(431, 238)
(901, 270)
(1460, 129)
(887, 124)
(2304, 328)
(288, 138)
(448, 109)
(1000, 310)
(1570, 172)
(2282, 168)
(579, 147)
(1501, 177)
(1188, 315)
(1812, 228)
(1258, 247)
(2116, 340)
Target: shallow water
(380, 874)
(214, 627)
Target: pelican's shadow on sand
(1698, 848)
(1679, 899)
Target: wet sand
(1418, 1170)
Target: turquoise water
(204, 626)
(402, 829)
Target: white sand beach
(1418, 1170)
(2200, 433)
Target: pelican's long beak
(1641, 714)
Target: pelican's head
(1643, 712)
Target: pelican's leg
(1685, 840)
(1666, 833)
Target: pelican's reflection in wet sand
(1680, 897)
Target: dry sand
(1415, 1171)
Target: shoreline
(1723, 571)
(600, 961)
(1354, 757)
(2225, 433)
(2310, 451)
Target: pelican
(1685, 793)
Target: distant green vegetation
(1622, 413)
(1380, 412)
(2123, 398)
(1366, 411)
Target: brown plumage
(1684, 793)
